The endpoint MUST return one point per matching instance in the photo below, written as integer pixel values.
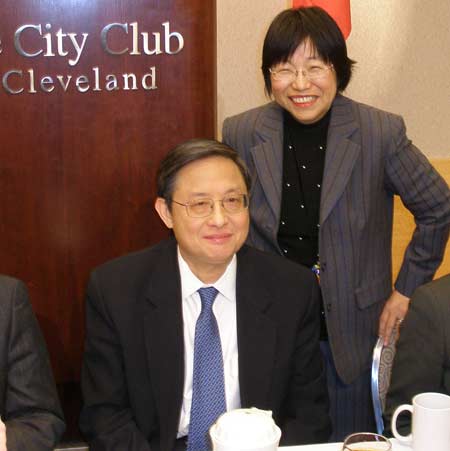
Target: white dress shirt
(224, 309)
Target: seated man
(422, 360)
(160, 366)
(32, 419)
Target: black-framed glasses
(200, 208)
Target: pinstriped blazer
(369, 159)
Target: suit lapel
(163, 329)
(256, 334)
(268, 155)
(341, 155)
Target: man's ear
(164, 213)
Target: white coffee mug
(430, 422)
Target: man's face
(208, 243)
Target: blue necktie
(208, 387)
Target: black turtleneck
(304, 149)
(303, 162)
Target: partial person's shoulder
(362, 110)
(134, 268)
(437, 290)
(8, 283)
(253, 112)
(251, 118)
(123, 280)
(135, 262)
(290, 286)
(11, 289)
(442, 283)
(269, 265)
(13, 296)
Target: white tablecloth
(396, 446)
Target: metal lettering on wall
(48, 43)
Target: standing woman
(325, 170)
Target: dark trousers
(351, 408)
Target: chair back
(382, 359)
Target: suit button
(323, 266)
(329, 307)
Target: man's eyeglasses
(311, 73)
(200, 208)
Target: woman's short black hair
(293, 27)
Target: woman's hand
(392, 315)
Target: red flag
(339, 10)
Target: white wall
(241, 27)
(402, 48)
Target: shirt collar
(190, 283)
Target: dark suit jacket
(368, 160)
(422, 360)
(133, 376)
(29, 404)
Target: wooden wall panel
(77, 169)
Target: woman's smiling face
(307, 101)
